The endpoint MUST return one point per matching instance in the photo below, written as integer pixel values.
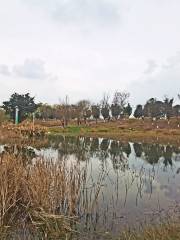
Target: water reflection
(123, 181)
(85, 148)
(25, 152)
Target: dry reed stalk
(44, 194)
(168, 231)
(23, 130)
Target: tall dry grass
(23, 130)
(167, 231)
(42, 195)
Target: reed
(23, 130)
(42, 195)
(165, 231)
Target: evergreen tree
(128, 110)
(95, 109)
(23, 102)
(138, 113)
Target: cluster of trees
(156, 109)
(119, 107)
(24, 103)
(83, 110)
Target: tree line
(84, 110)
(118, 108)
(156, 109)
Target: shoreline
(161, 136)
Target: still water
(126, 183)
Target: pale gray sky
(83, 48)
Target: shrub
(3, 116)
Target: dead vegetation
(167, 231)
(41, 195)
(24, 130)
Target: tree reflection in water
(84, 148)
(24, 152)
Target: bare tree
(83, 110)
(105, 100)
(65, 110)
(121, 99)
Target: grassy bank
(134, 130)
(128, 130)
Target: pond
(125, 184)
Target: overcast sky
(83, 48)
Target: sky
(84, 48)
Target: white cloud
(172, 61)
(92, 12)
(31, 69)
(81, 11)
(165, 81)
(152, 66)
(4, 70)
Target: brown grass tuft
(43, 195)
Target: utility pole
(33, 120)
(66, 110)
(16, 115)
